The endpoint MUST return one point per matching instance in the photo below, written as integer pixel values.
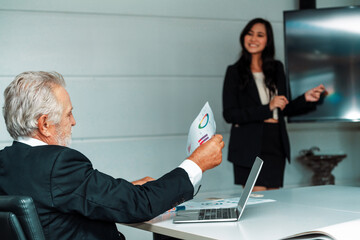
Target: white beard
(63, 140)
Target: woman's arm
(303, 103)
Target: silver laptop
(222, 214)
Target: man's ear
(44, 125)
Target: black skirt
(272, 153)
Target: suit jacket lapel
(253, 91)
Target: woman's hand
(278, 102)
(313, 95)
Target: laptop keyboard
(216, 213)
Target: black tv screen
(323, 46)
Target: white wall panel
(4, 136)
(88, 44)
(141, 106)
(278, 29)
(218, 9)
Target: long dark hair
(267, 56)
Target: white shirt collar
(31, 141)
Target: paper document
(201, 130)
(342, 231)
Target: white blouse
(264, 92)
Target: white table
(295, 210)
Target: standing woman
(255, 103)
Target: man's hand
(143, 181)
(208, 155)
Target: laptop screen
(250, 182)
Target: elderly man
(73, 200)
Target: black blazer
(74, 201)
(243, 109)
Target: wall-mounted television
(323, 46)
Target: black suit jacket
(243, 109)
(74, 201)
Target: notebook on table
(222, 214)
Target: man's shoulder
(57, 151)
(44, 150)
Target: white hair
(29, 96)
